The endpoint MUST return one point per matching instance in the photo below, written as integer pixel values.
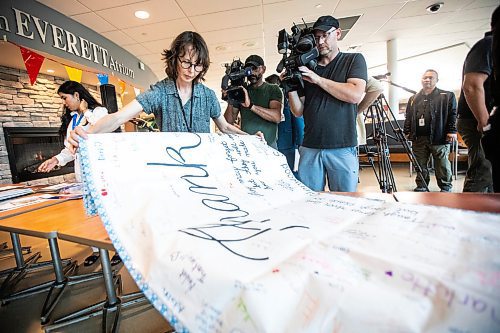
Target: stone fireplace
(28, 147)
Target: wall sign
(36, 26)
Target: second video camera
(235, 78)
(303, 52)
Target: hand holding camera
(309, 75)
(303, 52)
(83, 105)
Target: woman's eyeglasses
(187, 64)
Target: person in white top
(80, 109)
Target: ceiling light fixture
(318, 6)
(434, 8)
(249, 44)
(50, 71)
(141, 14)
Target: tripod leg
(385, 175)
(400, 137)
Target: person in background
(80, 109)
(180, 102)
(491, 134)
(329, 105)
(290, 130)
(261, 110)
(373, 89)
(474, 106)
(430, 124)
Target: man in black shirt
(491, 136)
(474, 106)
(329, 107)
(430, 124)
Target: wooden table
(23, 266)
(480, 202)
(469, 201)
(92, 233)
(44, 223)
(31, 263)
(368, 195)
(26, 209)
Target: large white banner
(220, 237)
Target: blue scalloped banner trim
(93, 206)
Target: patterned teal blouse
(164, 102)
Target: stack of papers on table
(62, 188)
(9, 194)
(21, 202)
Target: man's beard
(325, 51)
(253, 79)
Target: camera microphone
(382, 76)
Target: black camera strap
(190, 125)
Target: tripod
(379, 112)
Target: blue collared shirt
(163, 101)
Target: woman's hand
(260, 135)
(74, 138)
(84, 106)
(48, 165)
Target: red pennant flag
(33, 61)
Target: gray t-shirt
(164, 102)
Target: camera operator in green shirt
(262, 108)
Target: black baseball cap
(325, 23)
(254, 60)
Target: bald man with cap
(332, 92)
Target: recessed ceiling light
(249, 44)
(141, 14)
(318, 6)
(50, 71)
(435, 7)
(221, 48)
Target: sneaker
(419, 189)
(116, 260)
(90, 260)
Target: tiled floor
(24, 315)
(403, 180)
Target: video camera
(236, 73)
(303, 52)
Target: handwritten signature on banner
(236, 222)
(327, 261)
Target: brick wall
(24, 105)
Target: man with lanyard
(261, 110)
(329, 105)
(430, 124)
